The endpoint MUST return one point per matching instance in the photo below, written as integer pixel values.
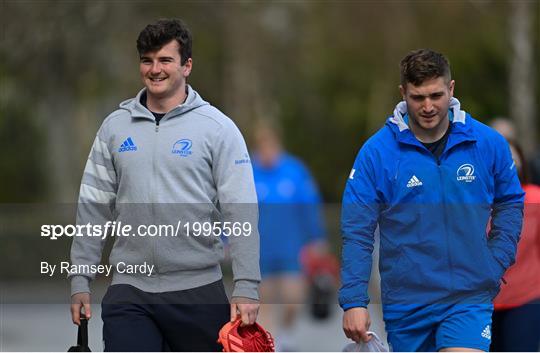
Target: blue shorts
(279, 266)
(437, 326)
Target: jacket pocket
(393, 284)
(494, 268)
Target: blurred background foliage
(327, 71)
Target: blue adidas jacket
(432, 214)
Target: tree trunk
(522, 74)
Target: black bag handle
(82, 333)
(82, 337)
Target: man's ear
(451, 86)
(402, 91)
(186, 68)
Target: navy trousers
(187, 320)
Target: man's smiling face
(162, 72)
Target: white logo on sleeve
(466, 173)
(351, 176)
(414, 181)
(487, 332)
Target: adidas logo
(236, 343)
(128, 145)
(414, 181)
(486, 333)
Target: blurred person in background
(167, 156)
(290, 219)
(508, 129)
(431, 178)
(516, 319)
(505, 127)
(535, 169)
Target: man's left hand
(246, 308)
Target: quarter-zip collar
(137, 110)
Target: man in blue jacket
(431, 178)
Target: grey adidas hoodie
(192, 167)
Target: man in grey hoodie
(167, 157)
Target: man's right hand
(78, 301)
(356, 323)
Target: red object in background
(522, 278)
(322, 271)
(314, 262)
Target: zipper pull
(157, 126)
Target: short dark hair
(424, 64)
(154, 36)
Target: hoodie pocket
(184, 253)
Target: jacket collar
(137, 110)
(461, 129)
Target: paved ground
(47, 327)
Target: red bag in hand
(249, 338)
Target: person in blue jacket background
(431, 179)
(290, 219)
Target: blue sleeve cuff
(348, 306)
